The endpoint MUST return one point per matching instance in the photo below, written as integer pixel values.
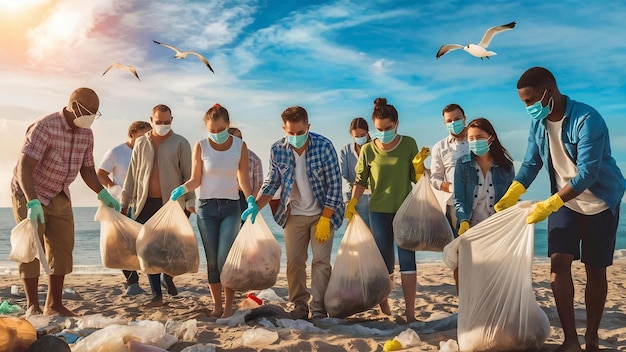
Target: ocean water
(87, 241)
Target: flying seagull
(480, 49)
(122, 67)
(182, 54)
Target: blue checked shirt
(322, 168)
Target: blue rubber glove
(178, 192)
(35, 210)
(253, 209)
(108, 199)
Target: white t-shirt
(564, 169)
(301, 198)
(116, 162)
(219, 171)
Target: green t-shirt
(389, 173)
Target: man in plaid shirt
(57, 147)
(305, 166)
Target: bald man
(57, 147)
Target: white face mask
(84, 121)
(161, 130)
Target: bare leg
(216, 293)
(32, 298)
(563, 289)
(228, 302)
(409, 287)
(54, 299)
(595, 298)
(384, 304)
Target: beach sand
(436, 298)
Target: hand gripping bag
(26, 245)
(497, 306)
(359, 280)
(118, 239)
(167, 244)
(419, 224)
(253, 261)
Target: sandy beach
(436, 299)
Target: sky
(331, 57)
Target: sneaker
(168, 283)
(134, 289)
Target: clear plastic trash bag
(359, 280)
(497, 306)
(253, 261)
(167, 243)
(419, 224)
(26, 244)
(118, 239)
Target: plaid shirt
(60, 152)
(322, 168)
(255, 168)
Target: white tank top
(219, 171)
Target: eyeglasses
(81, 106)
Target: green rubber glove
(511, 196)
(35, 211)
(108, 200)
(545, 208)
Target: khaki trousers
(299, 232)
(56, 234)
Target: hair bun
(380, 102)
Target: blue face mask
(298, 141)
(538, 111)
(360, 140)
(479, 147)
(385, 136)
(219, 137)
(455, 127)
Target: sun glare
(19, 5)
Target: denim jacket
(586, 140)
(466, 179)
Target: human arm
(461, 209)
(103, 177)
(185, 169)
(243, 177)
(345, 174)
(256, 168)
(196, 174)
(25, 167)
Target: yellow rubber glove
(392, 345)
(463, 227)
(511, 196)
(350, 209)
(545, 208)
(418, 162)
(322, 229)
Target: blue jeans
(381, 225)
(219, 221)
(363, 208)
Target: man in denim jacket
(572, 140)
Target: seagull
(182, 54)
(122, 67)
(480, 49)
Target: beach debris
(117, 337)
(448, 346)
(392, 345)
(98, 321)
(201, 347)
(183, 330)
(118, 238)
(122, 67)
(38, 320)
(299, 324)
(239, 318)
(251, 301)
(17, 291)
(136, 346)
(7, 307)
(70, 293)
(267, 311)
(259, 337)
(270, 295)
(183, 54)
(266, 323)
(480, 49)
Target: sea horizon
(87, 242)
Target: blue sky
(331, 57)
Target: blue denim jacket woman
(482, 177)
